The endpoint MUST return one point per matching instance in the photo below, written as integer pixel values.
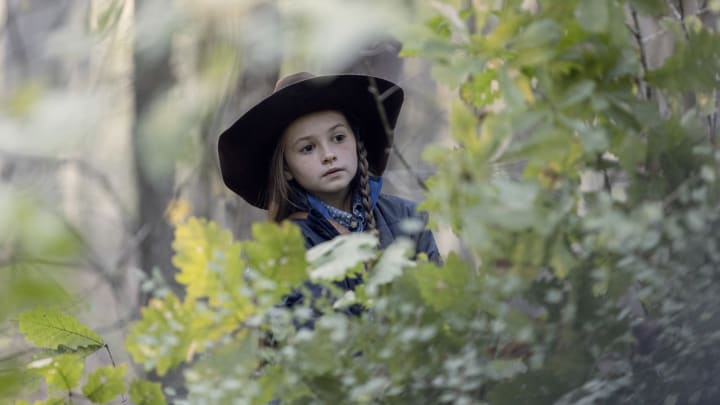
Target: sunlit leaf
(278, 253)
(146, 393)
(332, 260)
(394, 260)
(171, 332)
(52, 328)
(62, 373)
(105, 384)
(210, 265)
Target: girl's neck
(341, 202)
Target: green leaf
(594, 140)
(144, 392)
(333, 259)
(577, 93)
(60, 372)
(446, 288)
(171, 332)
(393, 261)
(479, 90)
(593, 15)
(12, 381)
(278, 254)
(52, 328)
(210, 264)
(20, 292)
(537, 43)
(105, 384)
(511, 93)
(693, 66)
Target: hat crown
(289, 80)
(245, 150)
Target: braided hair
(364, 183)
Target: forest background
(569, 166)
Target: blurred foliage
(586, 206)
(62, 368)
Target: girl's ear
(288, 175)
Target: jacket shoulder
(396, 206)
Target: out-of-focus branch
(679, 13)
(388, 131)
(642, 85)
(85, 169)
(11, 27)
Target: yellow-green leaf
(278, 253)
(105, 384)
(210, 264)
(52, 328)
(171, 332)
(146, 393)
(61, 372)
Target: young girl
(313, 152)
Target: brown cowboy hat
(246, 148)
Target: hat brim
(245, 149)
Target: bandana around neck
(355, 220)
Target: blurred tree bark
(152, 77)
(27, 28)
(258, 70)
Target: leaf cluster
(62, 366)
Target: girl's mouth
(332, 171)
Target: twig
(388, 131)
(130, 247)
(107, 348)
(643, 58)
(661, 31)
(12, 29)
(84, 168)
(679, 15)
(714, 119)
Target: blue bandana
(355, 220)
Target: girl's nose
(329, 157)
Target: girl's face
(321, 155)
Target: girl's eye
(307, 148)
(339, 137)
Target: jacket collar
(375, 182)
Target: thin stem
(679, 14)
(123, 398)
(388, 131)
(643, 57)
(107, 348)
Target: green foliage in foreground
(62, 368)
(584, 190)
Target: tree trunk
(153, 76)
